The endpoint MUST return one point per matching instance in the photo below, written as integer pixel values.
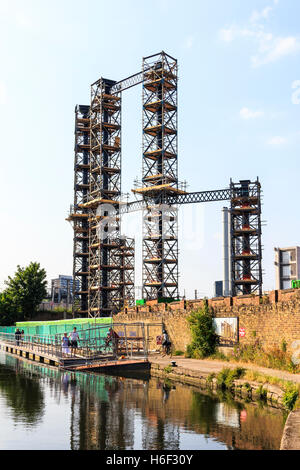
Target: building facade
(287, 266)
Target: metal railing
(126, 341)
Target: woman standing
(65, 344)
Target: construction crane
(103, 267)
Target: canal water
(44, 408)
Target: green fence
(52, 328)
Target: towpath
(209, 366)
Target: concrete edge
(291, 433)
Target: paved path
(209, 366)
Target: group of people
(70, 341)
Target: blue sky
(239, 109)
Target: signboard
(242, 332)
(227, 330)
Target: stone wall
(270, 319)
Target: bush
(203, 333)
(275, 358)
(226, 377)
(290, 397)
(262, 393)
(178, 353)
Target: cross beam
(189, 198)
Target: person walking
(166, 343)
(74, 337)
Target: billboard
(227, 329)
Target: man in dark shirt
(18, 336)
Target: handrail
(94, 343)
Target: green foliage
(23, 295)
(274, 358)
(247, 386)
(262, 393)
(9, 310)
(220, 356)
(290, 397)
(210, 378)
(226, 377)
(168, 369)
(178, 353)
(283, 345)
(203, 334)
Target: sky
(238, 117)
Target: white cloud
(3, 94)
(259, 15)
(270, 48)
(246, 113)
(275, 50)
(276, 141)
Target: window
(286, 271)
(285, 257)
(286, 285)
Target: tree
(203, 333)
(26, 290)
(9, 312)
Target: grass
(226, 377)
(168, 369)
(178, 353)
(276, 358)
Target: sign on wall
(227, 329)
(242, 332)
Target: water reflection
(22, 392)
(90, 411)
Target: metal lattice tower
(160, 177)
(246, 249)
(79, 213)
(104, 259)
(105, 192)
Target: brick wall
(270, 319)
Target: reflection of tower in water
(101, 418)
(158, 432)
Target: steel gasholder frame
(104, 269)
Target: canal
(44, 408)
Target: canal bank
(291, 433)
(203, 373)
(43, 407)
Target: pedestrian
(112, 337)
(166, 343)
(65, 343)
(74, 336)
(17, 336)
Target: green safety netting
(58, 327)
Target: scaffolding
(246, 248)
(103, 258)
(78, 213)
(160, 177)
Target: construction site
(103, 257)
